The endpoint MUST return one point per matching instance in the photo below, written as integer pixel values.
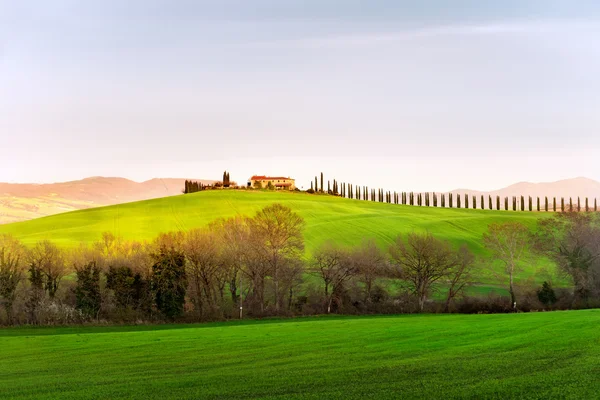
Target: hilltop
(327, 217)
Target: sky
(403, 95)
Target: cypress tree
(443, 200)
(578, 205)
(482, 205)
(458, 201)
(316, 184)
(497, 203)
(506, 203)
(570, 204)
(328, 188)
(562, 204)
(322, 188)
(530, 204)
(546, 203)
(514, 203)
(538, 204)
(435, 200)
(554, 204)
(586, 205)
(466, 200)
(311, 186)
(490, 203)
(595, 205)
(450, 200)
(522, 203)
(474, 202)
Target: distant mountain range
(19, 202)
(582, 187)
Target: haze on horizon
(411, 95)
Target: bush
(311, 191)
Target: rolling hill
(24, 201)
(327, 218)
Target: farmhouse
(280, 183)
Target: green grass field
(341, 220)
(535, 355)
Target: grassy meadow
(341, 220)
(522, 356)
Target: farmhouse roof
(267, 178)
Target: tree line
(453, 200)
(257, 266)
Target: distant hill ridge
(24, 201)
(582, 187)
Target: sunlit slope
(327, 217)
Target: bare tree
(233, 234)
(370, 264)
(460, 276)
(572, 240)
(11, 271)
(202, 251)
(47, 258)
(509, 242)
(422, 261)
(277, 232)
(331, 263)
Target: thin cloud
(362, 39)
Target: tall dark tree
(595, 205)
(570, 204)
(443, 200)
(466, 200)
(554, 204)
(530, 204)
(450, 200)
(587, 208)
(546, 203)
(87, 290)
(490, 203)
(458, 197)
(578, 204)
(562, 204)
(538, 204)
(522, 203)
(322, 188)
(474, 202)
(316, 185)
(506, 203)
(435, 201)
(169, 281)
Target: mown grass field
(521, 356)
(341, 220)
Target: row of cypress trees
(451, 200)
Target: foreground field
(342, 220)
(538, 355)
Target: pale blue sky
(408, 95)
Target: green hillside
(521, 356)
(327, 217)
